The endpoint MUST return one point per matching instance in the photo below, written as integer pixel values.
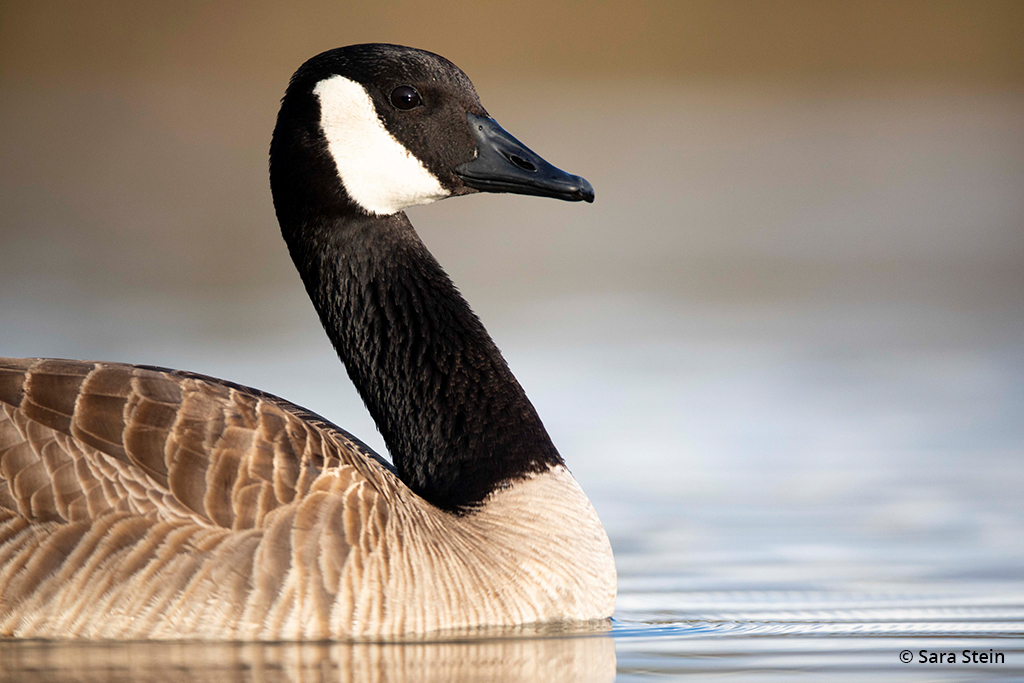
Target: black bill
(503, 164)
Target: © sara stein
(966, 657)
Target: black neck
(455, 419)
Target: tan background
(966, 42)
(142, 128)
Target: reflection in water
(513, 659)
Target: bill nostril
(522, 163)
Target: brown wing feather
(175, 444)
(175, 504)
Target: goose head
(377, 128)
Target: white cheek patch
(378, 172)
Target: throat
(456, 422)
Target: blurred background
(785, 347)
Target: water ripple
(651, 614)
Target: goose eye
(405, 97)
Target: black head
(397, 127)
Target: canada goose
(141, 502)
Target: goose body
(141, 502)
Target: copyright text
(964, 657)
